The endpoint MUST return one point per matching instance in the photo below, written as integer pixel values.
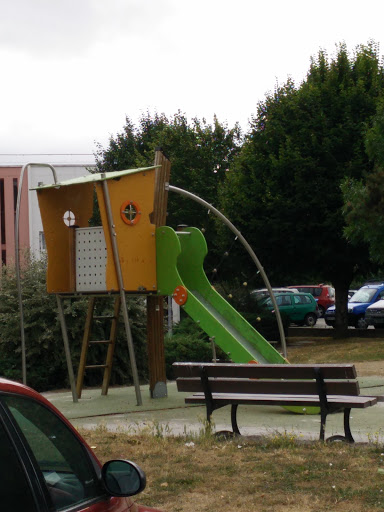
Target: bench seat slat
(360, 402)
(273, 386)
(272, 371)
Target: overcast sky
(72, 70)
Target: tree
(364, 199)
(200, 154)
(284, 187)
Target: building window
(42, 245)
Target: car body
(357, 305)
(45, 464)
(324, 294)
(374, 314)
(351, 293)
(300, 308)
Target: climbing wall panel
(91, 260)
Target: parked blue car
(357, 305)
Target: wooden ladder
(107, 366)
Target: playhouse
(130, 250)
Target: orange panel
(135, 240)
(180, 295)
(75, 203)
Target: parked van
(357, 305)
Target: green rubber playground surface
(119, 411)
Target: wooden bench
(332, 387)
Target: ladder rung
(113, 317)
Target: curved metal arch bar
(248, 248)
(17, 260)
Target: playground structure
(133, 252)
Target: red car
(45, 465)
(324, 294)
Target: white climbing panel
(91, 260)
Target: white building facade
(67, 166)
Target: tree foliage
(200, 154)
(284, 188)
(364, 198)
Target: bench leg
(347, 437)
(323, 419)
(235, 428)
(209, 410)
(347, 429)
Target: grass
(278, 473)
(329, 350)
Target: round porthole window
(130, 212)
(69, 218)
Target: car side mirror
(122, 478)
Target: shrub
(188, 343)
(45, 358)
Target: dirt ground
(370, 368)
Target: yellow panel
(54, 203)
(136, 243)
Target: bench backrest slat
(272, 386)
(265, 371)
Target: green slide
(180, 259)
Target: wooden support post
(155, 341)
(155, 304)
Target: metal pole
(248, 248)
(213, 346)
(17, 262)
(116, 258)
(66, 348)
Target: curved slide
(180, 258)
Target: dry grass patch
(329, 350)
(277, 473)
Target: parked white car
(374, 314)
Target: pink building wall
(9, 182)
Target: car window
(301, 299)
(15, 493)
(316, 292)
(331, 292)
(283, 300)
(364, 295)
(63, 460)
